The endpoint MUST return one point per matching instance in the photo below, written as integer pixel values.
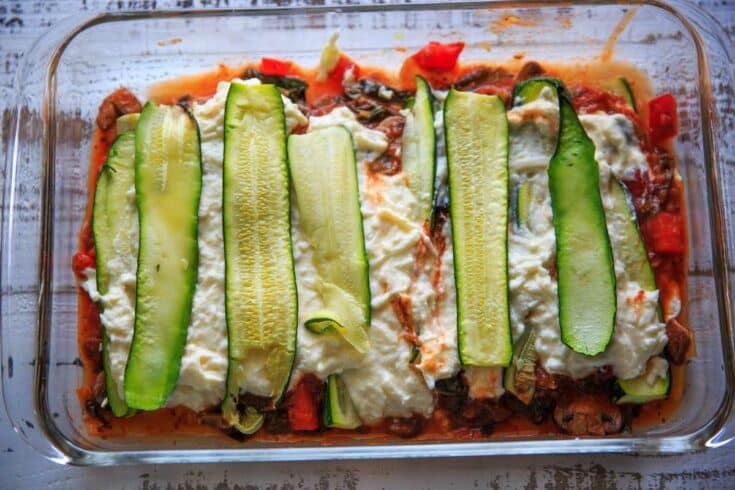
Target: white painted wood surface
(20, 23)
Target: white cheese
(364, 139)
(385, 384)
(658, 367)
(435, 312)
(484, 382)
(89, 284)
(531, 247)
(385, 93)
(118, 316)
(616, 144)
(349, 77)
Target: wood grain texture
(20, 23)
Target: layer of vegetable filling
(451, 251)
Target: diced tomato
(663, 123)
(344, 64)
(82, 261)
(439, 56)
(637, 184)
(665, 233)
(303, 407)
(274, 67)
(588, 100)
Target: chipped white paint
(20, 467)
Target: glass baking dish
(68, 72)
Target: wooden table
(20, 467)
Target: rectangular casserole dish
(69, 71)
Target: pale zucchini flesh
(637, 390)
(127, 122)
(260, 286)
(112, 223)
(520, 377)
(324, 176)
(476, 131)
(167, 185)
(585, 272)
(523, 197)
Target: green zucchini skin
(324, 177)
(111, 225)
(168, 185)
(339, 412)
(476, 129)
(523, 194)
(585, 271)
(638, 391)
(623, 88)
(632, 252)
(261, 302)
(419, 150)
(520, 377)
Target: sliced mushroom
(405, 427)
(530, 69)
(118, 103)
(588, 415)
(680, 340)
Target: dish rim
(70, 453)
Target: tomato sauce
(321, 95)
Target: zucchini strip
(477, 160)
(261, 302)
(586, 276)
(520, 377)
(419, 150)
(324, 177)
(622, 87)
(113, 221)
(167, 185)
(339, 412)
(632, 253)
